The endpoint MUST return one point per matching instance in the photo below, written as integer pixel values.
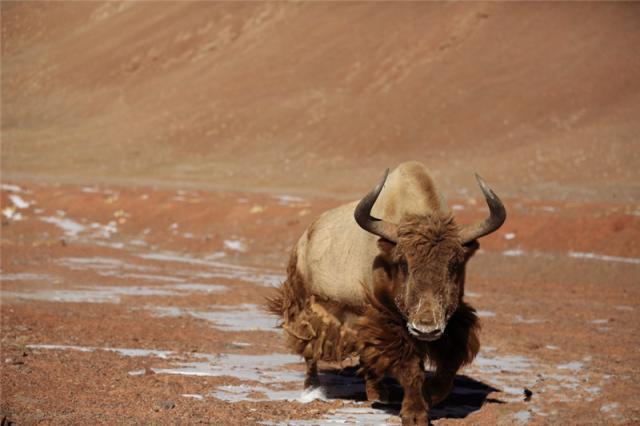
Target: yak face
(423, 258)
(426, 267)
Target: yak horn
(362, 214)
(496, 218)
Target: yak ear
(471, 248)
(386, 247)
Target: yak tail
(275, 304)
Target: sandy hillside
(542, 98)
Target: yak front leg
(437, 388)
(411, 377)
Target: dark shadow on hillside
(467, 396)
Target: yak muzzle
(428, 334)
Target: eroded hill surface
(542, 98)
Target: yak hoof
(377, 392)
(415, 418)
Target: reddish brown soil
(170, 140)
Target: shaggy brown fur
(319, 330)
(385, 345)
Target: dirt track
(155, 180)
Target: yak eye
(404, 267)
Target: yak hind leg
(311, 378)
(376, 389)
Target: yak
(382, 280)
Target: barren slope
(543, 98)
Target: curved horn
(496, 218)
(362, 214)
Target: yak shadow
(468, 395)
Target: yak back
(335, 256)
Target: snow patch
(121, 351)
(312, 394)
(217, 269)
(70, 227)
(521, 320)
(235, 245)
(604, 257)
(522, 416)
(13, 188)
(24, 276)
(18, 201)
(608, 408)
(247, 317)
(624, 308)
(193, 396)
(513, 252)
(573, 366)
(112, 294)
(289, 200)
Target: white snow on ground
(18, 201)
(12, 214)
(217, 269)
(519, 319)
(235, 245)
(517, 252)
(289, 200)
(193, 396)
(246, 317)
(513, 252)
(13, 188)
(351, 416)
(103, 264)
(71, 228)
(573, 366)
(269, 377)
(606, 258)
(24, 276)
(112, 294)
(522, 416)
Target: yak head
(424, 257)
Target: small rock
(527, 395)
(164, 405)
